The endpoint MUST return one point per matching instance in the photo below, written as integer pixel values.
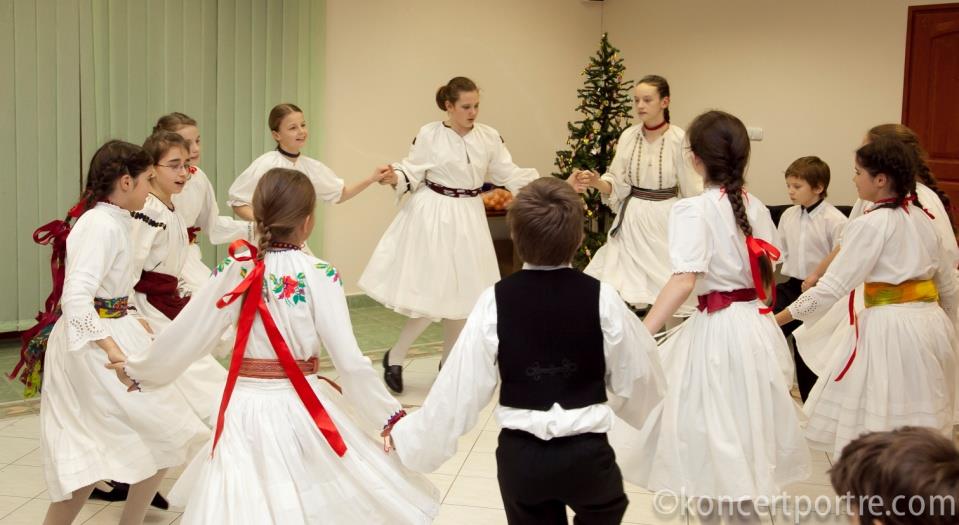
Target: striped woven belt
(272, 369)
(452, 192)
(654, 195)
(111, 308)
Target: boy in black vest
(557, 340)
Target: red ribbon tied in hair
(251, 290)
(756, 248)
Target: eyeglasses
(176, 167)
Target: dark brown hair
(279, 112)
(892, 158)
(451, 91)
(911, 140)
(546, 222)
(892, 467)
(173, 122)
(720, 141)
(161, 142)
(662, 88)
(283, 199)
(811, 169)
(112, 161)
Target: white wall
(815, 75)
(386, 58)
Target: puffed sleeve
(361, 385)
(426, 438)
(503, 172)
(615, 175)
(690, 183)
(862, 245)
(194, 333)
(327, 185)
(92, 249)
(220, 229)
(690, 247)
(412, 170)
(241, 191)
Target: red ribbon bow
(757, 248)
(251, 291)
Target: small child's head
(171, 160)
(887, 473)
(546, 222)
(283, 205)
(884, 168)
(119, 172)
(807, 180)
(288, 127)
(185, 127)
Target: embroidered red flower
(289, 287)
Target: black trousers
(539, 479)
(786, 293)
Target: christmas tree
(604, 101)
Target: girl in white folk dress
(90, 428)
(437, 257)
(288, 127)
(727, 429)
(649, 174)
(815, 339)
(196, 205)
(897, 365)
(286, 449)
(161, 248)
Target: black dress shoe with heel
(392, 374)
(120, 491)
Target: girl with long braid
(286, 448)
(897, 366)
(90, 428)
(727, 427)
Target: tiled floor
(467, 481)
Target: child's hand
(575, 181)
(388, 444)
(384, 175)
(119, 368)
(809, 282)
(589, 178)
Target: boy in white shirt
(809, 231)
(556, 341)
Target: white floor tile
(21, 481)
(487, 441)
(111, 515)
(14, 448)
(479, 465)
(642, 509)
(24, 427)
(31, 459)
(453, 465)
(10, 503)
(465, 515)
(442, 482)
(475, 492)
(32, 513)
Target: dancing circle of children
(196, 205)
(160, 249)
(286, 448)
(727, 428)
(897, 365)
(436, 257)
(649, 173)
(809, 231)
(288, 128)
(90, 427)
(556, 340)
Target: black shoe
(118, 493)
(392, 374)
(160, 502)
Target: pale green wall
(74, 73)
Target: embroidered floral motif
(111, 308)
(288, 288)
(330, 271)
(222, 266)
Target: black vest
(550, 340)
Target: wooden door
(930, 104)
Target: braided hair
(892, 158)
(911, 140)
(721, 142)
(283, 199)
(112, 161)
